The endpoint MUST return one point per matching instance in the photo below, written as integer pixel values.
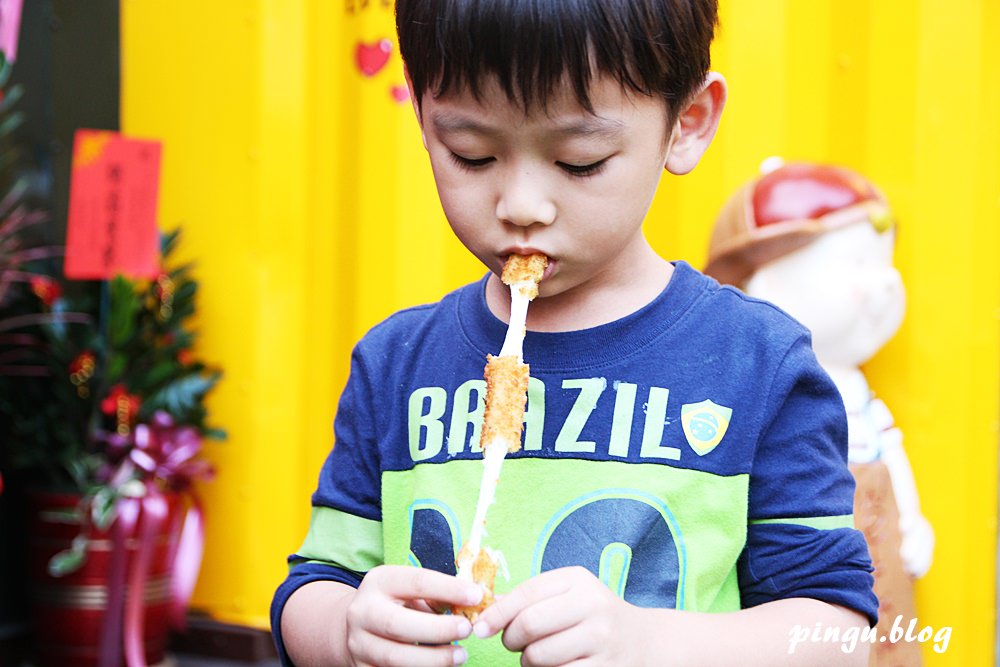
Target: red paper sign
(112, 207)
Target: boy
(683, 451)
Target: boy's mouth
(529, 251)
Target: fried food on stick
(525, 271)
(484, 573)
(506, 397)
(503, 421)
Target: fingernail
(464, 627)
(459, 656)
(482, 630)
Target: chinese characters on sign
(112, 207)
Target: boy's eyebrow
(447, 122)
(594, 126)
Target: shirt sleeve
(800, 539)
(344, 540)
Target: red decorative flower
(83, 364)
(123, 405)
(46, 289)
(81, 370)
(164, 287)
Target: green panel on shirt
(343, 539)
(817, 522)
(699, 516)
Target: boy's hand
(390, 619)
(564, 617)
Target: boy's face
(844, 287)
(569, 183)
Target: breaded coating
(506, 397)
(484, 573)
(525, 269)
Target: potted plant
(102, 421)
(106, 431)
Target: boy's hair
(654, 47)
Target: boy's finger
(382, 652)
(498, 615)
(409, 626)
(422, 605)
(562, 648)
(412, 583)
(546, 617)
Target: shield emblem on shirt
(704, 425)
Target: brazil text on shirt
(442, 423)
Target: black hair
(654, 47)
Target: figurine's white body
(844, 288)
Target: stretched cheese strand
(520, 295)
(506, 395)
(493, 457)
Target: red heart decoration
(400, 93)
(371, 58)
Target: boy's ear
(416, 107)
(696, 125)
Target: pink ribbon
(186, 561)
(152, 518)
(163, 457)
(110, 647)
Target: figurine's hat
(784, 210)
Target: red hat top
(785, 209)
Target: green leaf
(182, 395)
(6, 67)
(102, 508)
(215, 434)
(11, 97)
(125, 306)
(168, 241)
(70, 560)
(61, 515)
(11, 123)
(77, 470)
(117, 365)
(182, 272)
(161, 372)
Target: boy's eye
(583, 169)
(470, 163)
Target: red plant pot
(68, 612)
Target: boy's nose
(524, 201)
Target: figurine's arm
(918, 536)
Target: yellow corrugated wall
(307, 202)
